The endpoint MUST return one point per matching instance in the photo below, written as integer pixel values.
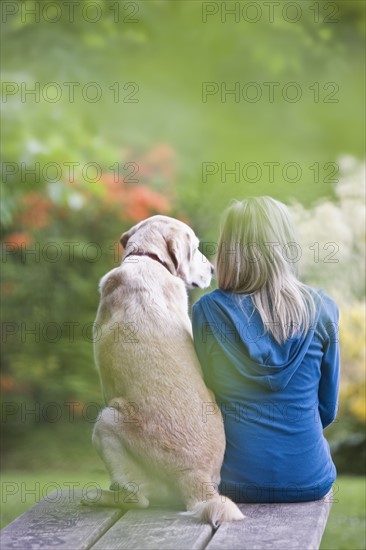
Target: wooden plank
(158, 529)
(61, 521)
(58, 521)
(298, 526)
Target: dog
(158, 444)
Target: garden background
(113, 111)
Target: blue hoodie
(275, 398)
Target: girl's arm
(329, 381)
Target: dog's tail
(216, 510)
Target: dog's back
(145, 356)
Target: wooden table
(61, 522)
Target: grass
(346, 524)
(345, 528)
(20, 491)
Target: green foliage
(169, 52)
(332, 234)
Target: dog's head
(176, 246)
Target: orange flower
(143, 202)
(37, 211)
(7, 383)
(114, 189)
(17, 239)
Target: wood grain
(295, 526)
(156, 529)
(61, 522)
(58, 521)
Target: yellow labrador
(157, 442)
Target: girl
(269, 351)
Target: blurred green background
(114, 111)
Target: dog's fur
(161, 435)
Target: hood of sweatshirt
(233, 321)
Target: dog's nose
(212, 269)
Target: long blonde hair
(258, 255)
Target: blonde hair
(256, 256)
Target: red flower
(17, 239)
(36, 212)
(7, 383)
(143, 202)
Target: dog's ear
(128, 234)
(124, 238)
(179, 250)
(173, 251)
